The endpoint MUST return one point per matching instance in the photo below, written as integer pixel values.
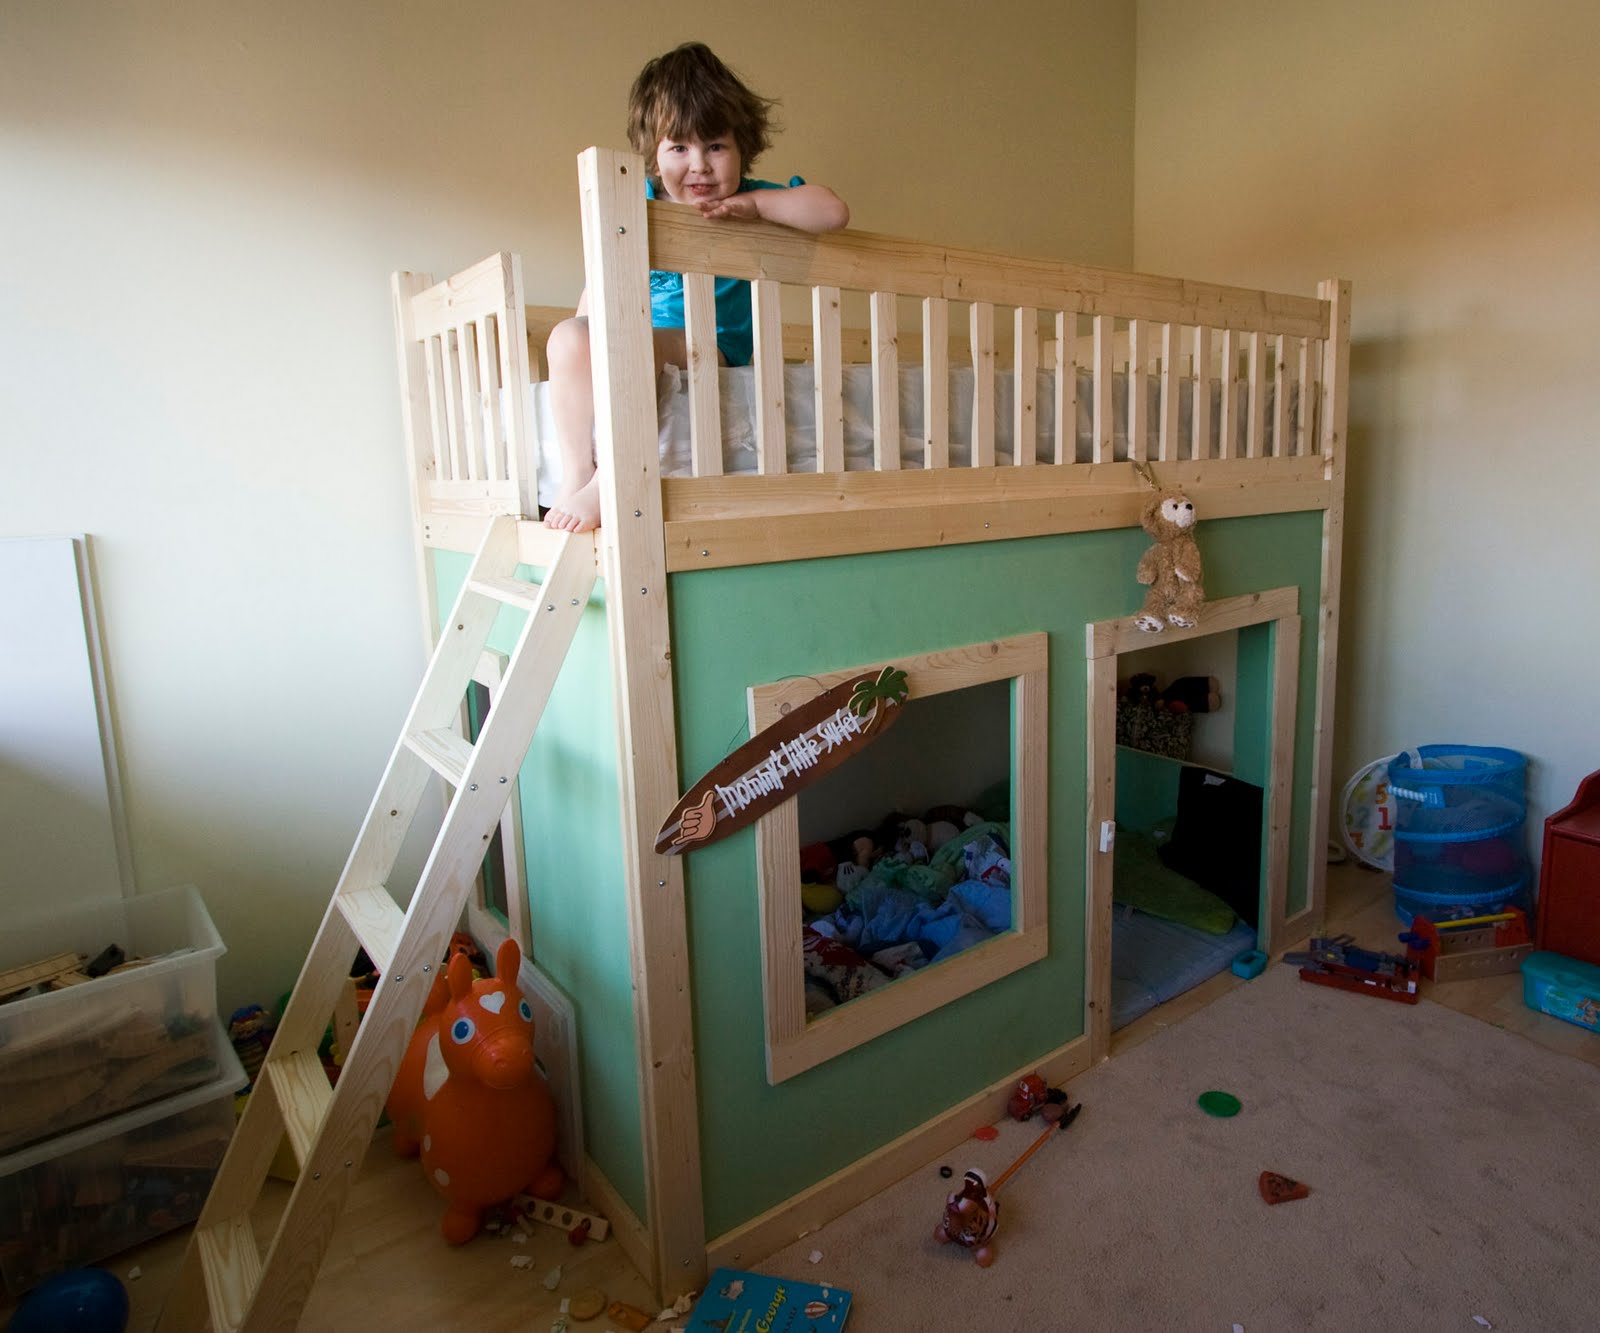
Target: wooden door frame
(1104, 641)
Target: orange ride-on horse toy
(470, 1098)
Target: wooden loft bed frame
(472, 340)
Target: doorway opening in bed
(914, 873)
(1187, 857)
(1190, 805)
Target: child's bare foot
(578, 512)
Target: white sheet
(737, 386)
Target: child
(699, 128)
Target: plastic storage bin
(1458, 837)
(1562, 987)
(94, 1050)
(97, 1191)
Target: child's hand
(813, 208)
(742, 206)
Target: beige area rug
(1454, 1172)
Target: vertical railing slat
(489, 402)
(1228, 383)
(1138, 397)
(438, 418)
(450, 360)
(1280, 397)
(980, 323)
(1255, 426)
(935, 382)
(1025, 391)
(1305, 408)
(885, 382)
(767, 321)
(471, 417)
(1104, 423)
(827, 378)
(1066, 386)
(1200, 398)
(705, 408)
(1171, 336)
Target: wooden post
(415, 416)
(1335, 415)
(617, 262)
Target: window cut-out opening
(1005, 682)
(905, 852)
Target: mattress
(1153, 961)
(738, 415)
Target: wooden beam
(1335, 417)
(684, 242)
(612, 193)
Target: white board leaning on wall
(60, 805)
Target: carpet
(1454, 1172)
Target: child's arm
(804, 207)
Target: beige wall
(1441, 156)
(200, 210)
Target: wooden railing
(1251, 348)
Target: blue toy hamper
(1458, 837)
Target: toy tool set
(1336, 961)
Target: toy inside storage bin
(73, 1056)
(94, 1192)
(1458, 839)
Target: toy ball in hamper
(470, 1099)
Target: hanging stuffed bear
(1171, 567)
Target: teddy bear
(1171, 567)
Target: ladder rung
(301, 1086)
(232, 1267)
(377, 921)
(513, 592)
(444, 752)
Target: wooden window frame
(794, 1044)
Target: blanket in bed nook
(900, 916)
(1140, 880)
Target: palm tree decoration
(890, 689)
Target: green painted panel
(1147, 788)
(571, 822)
(1252, 714)
(738, 627)
(1276, 550)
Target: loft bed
(855, 498)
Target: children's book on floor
(738, 1302)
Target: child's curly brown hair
(688, 93)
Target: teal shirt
(735, 338)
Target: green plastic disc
(1219, 1103)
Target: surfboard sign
(793, 752)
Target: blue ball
(81, 1300)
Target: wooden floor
(388, 1268)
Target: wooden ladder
(329, 1128)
